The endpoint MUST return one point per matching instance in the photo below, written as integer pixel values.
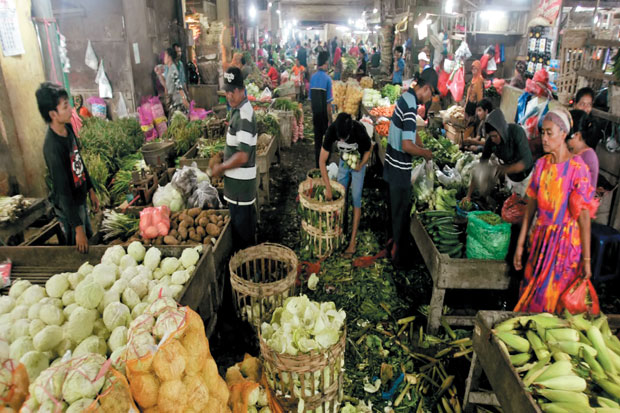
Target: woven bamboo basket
(321, 222)
(327, 366)
(262, 277)
(285, 118)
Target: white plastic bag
(105, 88)
(91, 58)
(332, 171)
(266, 95)
(462, 53)
(121, 107)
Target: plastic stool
(602, 238)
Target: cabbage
(35, 362)
(117, 358)
(189, 257)
(313, 281)
(69, 309)
(130, 298)
(20, 347)
(118, 338)
(116, 314)
(48, 338)
(169, 196)
(36, 325)
(18, 288)
(56, 285)
(57, 302)
(100, 330)
(139, 284)
(51, 315)
(92, 344)
(158, 273)
(33, 311)
(76, 277)
(19, 328)
(161, 305)
(126, 262)
(119, 286)
(80, 382)
(4, 350)
(105, 274)
(5, 331)
(152, 258)
(19, 312)
(144, 322)
(68, 297)
(31, 295)
(136, 250)
(128, 273)
(139, 309)
(80, 406)
(168, 322)
(180, 277)
(110, 296)
(140, 344)
(144, 272)
(89, 294)
(7, 303)
(169, 265)
(81, 323)
(64, 346)
(175, 291)
(113, 255)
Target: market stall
(18, 214)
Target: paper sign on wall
(136, 53)
(10, 37)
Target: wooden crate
(455, 273)
(191, 156)
(264, 159)
(37, 264)
(38, 208)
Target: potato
(174, 216)
(203, 222)
(220, 224)
(207, 239)
(203, 214)
(174, 233)
(194, 212)
(194, 236)
(213, 230)
(213, 219)
(201, 231)
(189, 221)
(183, 233)
(158, 241)
(170, 240)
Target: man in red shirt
(273, 73)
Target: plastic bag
(5, 273)
(462, 53)
(168, 362)
(196, 113)
(14, 391)
(154, 222)
(187, 178)
(105, 88)
(579, 297)
(442, 83)
(514, 209)
(266, 95)
(97, 107)
(449, 177)
(91, 58)
(486, 241)
(146, 122)
(168, 195)
(121, 107)
(457, 84)
(159, 116)
(205, 196)
(332, 170)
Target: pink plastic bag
(457, 85)
(154, 222)
(146, 122)
(97, 107)
(158, 110)
(196, 113)
(498, 84)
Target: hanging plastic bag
(457, 85)
(91, 58)
(97, 107)
(462, 53)
(196, 113)
(513, 209)
(579, 297)
(105, 88)
(205, 196)
(121, 107)
(265, 95)
(146, 122)
(442, 82)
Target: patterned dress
(562, 191)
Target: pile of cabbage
(89, 311)
(372, 98)
(302, 325)
(74, 384)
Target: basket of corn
(321, 220)
(262, 277)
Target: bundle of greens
(209, 147)
(184, 132)
(267, 123)
(99, 175)
(287, 104)
(391, 92)
(444, 151)
(121, 182)
(115, 225)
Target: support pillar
(223, 15)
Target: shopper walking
(71, 183)
(399, 66)
(403, 145)
(321, 98)
(239, 167)
(562, 195)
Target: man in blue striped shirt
(402, 146)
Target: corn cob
(546, 321)
(514, 341)
(570, 383)
(572, 408)
(446, 406)
(612, 345)
(605, 402)
(520, 359)
(610, 388)
(562, 334)
(573, 347)
(536, 371)
(525, 368)
(557, 369)
(563, 396)
(595, 366)
(553, 408)
(584, 339)
(510, 324)
(578, 321)
(560, 355)
(537, 344)
(606, 410)
(594, 335)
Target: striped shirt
(240, 183)
(397, 168)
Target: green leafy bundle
(267, 123)
(184, 132)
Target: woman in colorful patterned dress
(559, 245)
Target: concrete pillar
(42, 10)
(223, 15)
(22, 130)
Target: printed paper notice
(136, 53)
(10, 38)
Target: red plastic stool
(605, 249)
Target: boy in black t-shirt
(351, 138)
(70, 180)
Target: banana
(603, 357)
(570, 383)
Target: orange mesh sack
(247, 392)
(13, 385)
(85, 383)
(168, 362)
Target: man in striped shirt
(402, 146)
(239, 167)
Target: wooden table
(39, 208)
(263, 163)
(455, 273)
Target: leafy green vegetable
(392, 92)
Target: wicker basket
(328, 365)
(321, 222)
(285, 118)
(262, 277)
